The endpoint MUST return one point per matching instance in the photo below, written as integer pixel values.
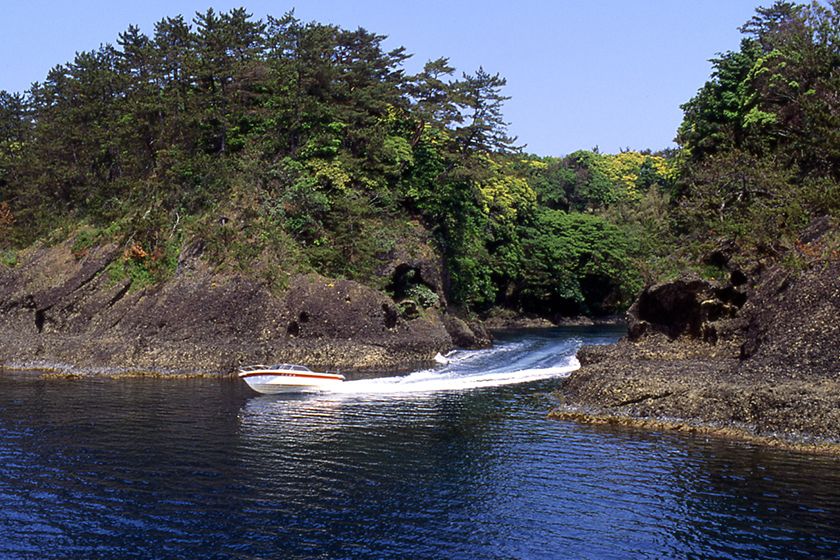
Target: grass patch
(9, 258)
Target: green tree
(577, 263)
(481, 101)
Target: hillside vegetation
(286, 147)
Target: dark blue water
(457, 463)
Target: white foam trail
(433, 381)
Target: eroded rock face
(791, 323)
(413, 263)
(688, 306)
(56, 309)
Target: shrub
(423, 295)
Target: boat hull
(274, 384)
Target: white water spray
(432, 381)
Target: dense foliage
(761, 139)
(279, 146)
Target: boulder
(472, 335)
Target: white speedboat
(287, 378)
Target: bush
(8, 258)
(423, 295)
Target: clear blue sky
(610, 73)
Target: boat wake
(505, 364)
(430, 380)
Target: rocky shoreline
(66, 313)
(757, 356)
(642, 385)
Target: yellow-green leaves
(329, 173)
(398, 154)
(505, 196)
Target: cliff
(67, 311)
(758, 354)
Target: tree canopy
(761, 139)
(279, 146)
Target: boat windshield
(291, 367)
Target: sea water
(458, 461)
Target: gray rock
(66, 312)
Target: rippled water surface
(458, 462)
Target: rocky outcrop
(759, 354)
(58, 310)
(413, 263)
(688, 306)
(467, 334)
